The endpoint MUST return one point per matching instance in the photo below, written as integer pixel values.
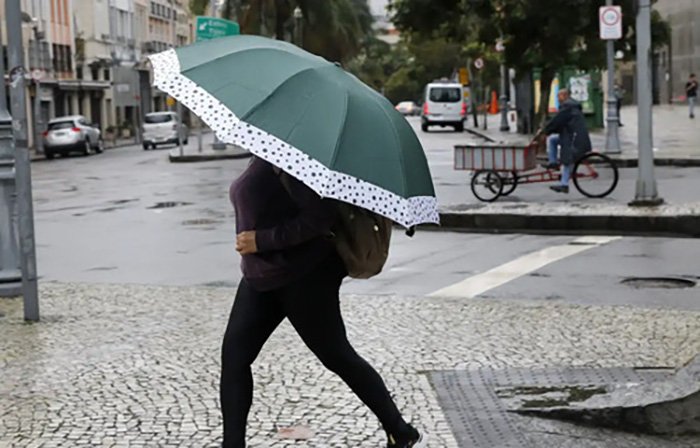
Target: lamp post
(22, 168)
(646, 192)
(298, 23)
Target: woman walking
(292, 270)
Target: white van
(160, 128)
(443, 105)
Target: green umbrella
(306, 116)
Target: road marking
(493, 278)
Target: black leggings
(312, 306)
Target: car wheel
(424, 127)
(100, 146)
(459, 127)
(87, 148)
(49, 155)
(146, 147)
(184, 142)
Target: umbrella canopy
(308, 117)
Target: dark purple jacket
(292, 228)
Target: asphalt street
(130, 216)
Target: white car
(160, 128)
(408, 108)
(444, 106)
(71, 134)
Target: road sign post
(610, 18)
(208, 28)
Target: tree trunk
(282, 15)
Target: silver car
(72, 134)
(160, 128)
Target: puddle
(169, 204)
(200, 222)
(658, 282)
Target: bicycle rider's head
(563, 95)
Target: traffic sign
(610, 22)
(464, 76)
(479, 63)
(212, 27)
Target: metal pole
(612, 137)
(646, 193)
(22, 161)
(218, 144)
(179, 128)
(10, 274)
(38, 146)
(505, 127)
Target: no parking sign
(610, 22)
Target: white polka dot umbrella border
(323, 180)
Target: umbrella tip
(411, 231)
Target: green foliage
(199, 7)
(334, 29)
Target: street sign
(479, 63)
(610, 22)
(464, 76)
(213, 27)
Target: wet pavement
(131, 365)
(137, 267)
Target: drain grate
(659, 282)
(169, 204)
(479, 418)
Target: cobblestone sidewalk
(121, 365)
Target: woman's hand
(245, 243)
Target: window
(445, 94)
(61, 125)
(79, 72)
(107, 78)
(95, 74)
(157, 118)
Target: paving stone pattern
(127, 365)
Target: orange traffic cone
(493, 109)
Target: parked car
(72, 134)
(408, 108)
(160, 128)
(443, 105)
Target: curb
(662, 161)
(207, 157)
(682, 225)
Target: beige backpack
(361, 237)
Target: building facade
(90, 57)
(674, 64)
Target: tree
(536, 35)
(334, 29)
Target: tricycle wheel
(510, 181)
(487, 185)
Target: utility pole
(218, 144)
(612, 137)
(10, 274)
(646, 194)
(38, 68)
(25, 208)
